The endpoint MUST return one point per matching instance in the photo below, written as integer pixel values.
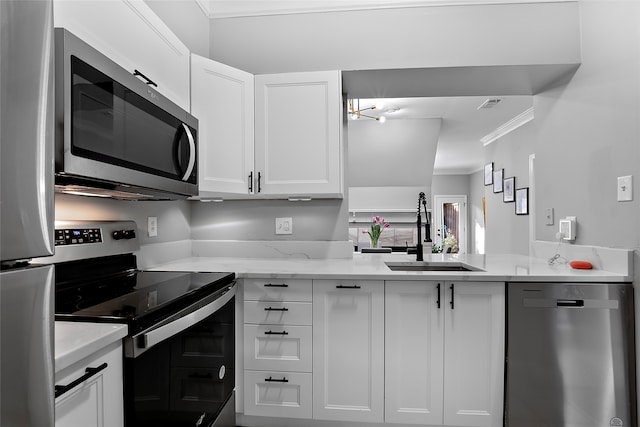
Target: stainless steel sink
(430, 266)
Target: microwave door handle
(192, 152)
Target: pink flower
(387, 225)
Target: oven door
(187, 379)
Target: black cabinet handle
(276, 333)
(259, 179)
(89, 372)
(274, 380)
(251, 182)
(276, 285)
(451, 302)
(276, 309)
(149, 81)
(347, 287)
(438, 301)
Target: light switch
(625, 188)
(548, 216)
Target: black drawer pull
(276, 309)
(89, 372)
(273, 380)
(438, 302)
(276, 285)
(276, 333)
(347, 287)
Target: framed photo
(488, 174)
(522, 201)
(509, 186)
(497, 180)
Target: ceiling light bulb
(382, 119)
(354, 116)
(379, 105)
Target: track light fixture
(355, 112)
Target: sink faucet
(419, 253)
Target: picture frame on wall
(522, 201)
(488, 174)
(509, 195)
(497, 180)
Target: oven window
(115, 125)
(185, 379)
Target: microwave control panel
(77, 236)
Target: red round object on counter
(582, 265)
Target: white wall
(395, 153)
(187, 20)
(321, 220)
(505, 231)
(442, 36)
(173, 216)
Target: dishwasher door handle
(570, 303)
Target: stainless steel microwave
(116, 136)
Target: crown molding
(513, 124)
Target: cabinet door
(222, 101)
(132, 35)
(348, 350)
(414, 340)
(298, 133)
(98, 400)
(474, 354)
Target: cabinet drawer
(277, 394)
(277, 290)
(281, 348)
(278, 313)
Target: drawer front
(277, 290)
(278, 348)
(278, 313)
(277, 394)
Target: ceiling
(459, 150)
(236, 8)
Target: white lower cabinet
(444, 353)
(277, 348)
(277, 394)
(97, 401)
(348, 350)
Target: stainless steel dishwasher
(570, 358)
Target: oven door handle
(136, 345)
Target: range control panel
(76, 236)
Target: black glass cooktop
(112, 290)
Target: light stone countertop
(76, 340)
(503, 268)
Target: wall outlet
(568, 228)
(152, 226)
(284, 225)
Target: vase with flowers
(378, 225)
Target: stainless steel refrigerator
(26, 213)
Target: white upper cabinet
(132, 35)
(298, 134)
(222, 101)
